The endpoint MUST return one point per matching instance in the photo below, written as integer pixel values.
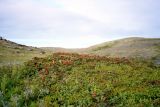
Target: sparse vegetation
(128, 47)
(13, 53)
(102, 47)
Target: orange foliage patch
(94, 94)
(66, 62)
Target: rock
(156, 62)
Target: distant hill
(128, 47)
(11, 52)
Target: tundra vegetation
(71, 79)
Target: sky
(77, 23)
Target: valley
(112, 74)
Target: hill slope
(11, 52)
(70, 79)
(128, 47)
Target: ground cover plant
(70, 79)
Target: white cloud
(116, 14)
(78, 22)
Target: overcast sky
(77, 23)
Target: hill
(72, 79)
(128, 47)
(11, 52)
(148, 48)
(133, 47)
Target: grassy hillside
(67, 79)
(117, 79)
(14, 53)
(128, 47)
(11, 52)
(147, 48)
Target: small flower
(94, 94)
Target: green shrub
(83, 80)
